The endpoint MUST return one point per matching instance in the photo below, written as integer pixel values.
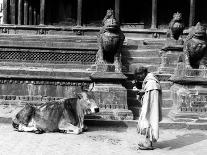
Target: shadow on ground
(116, 129)
(181, 141)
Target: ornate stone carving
(110, 41)
(176, 26)
(195, 47)
(33, 55)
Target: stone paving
(100, 141)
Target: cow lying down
(65, 115)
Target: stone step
(48, 45)
(147, 60)
(145, 41)
(132, 101)
(166, 94)
(141, 53)
(167, 70)
(166, 85)
(67, 38)
(167, 103)
(165, 112)
(133, 66)
(150, 47)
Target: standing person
(150, 116)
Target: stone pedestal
(170, 55)
(189, 94)
(110, 95)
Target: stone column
(20, 12)
(5, 12)
(192, 13)
(117, 9)
(154, 14)
(42, 12)
(79, 13)
(30, 15)
(25, 12)
(13, 11)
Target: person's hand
(135, 88)
(141, 92)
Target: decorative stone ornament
(176, 26)
(110, 41)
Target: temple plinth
(189, 91)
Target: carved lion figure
(110, 41)
(195, 47)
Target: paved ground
(100, 141)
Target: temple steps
(146, 52)
(147, 60)
(49, 41)
(151, 67)
(166, 85)
(141, 53)
(48, 45)
(133, 102)
(136, 52)
(59, 38)
(145, 41)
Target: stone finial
(177, 16)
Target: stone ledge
(165, 124)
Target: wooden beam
(79, 12)
(20, 12)
(117, 10)
(154, 14)
(42, 12)
(192, 13)
(13, 11)
(5, 12)
(25, 12)
(30, 15)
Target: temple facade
(48, 48)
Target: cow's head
(87, 102)
(23, 116)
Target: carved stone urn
(176, 26)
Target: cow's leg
(71, 129)
(25, 128)
(31, 127)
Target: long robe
(151, 114)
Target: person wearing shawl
(151, 100)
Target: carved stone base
(113, 114)
(110, 95)
(179, 116)
(170, 55)
(189, 102)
